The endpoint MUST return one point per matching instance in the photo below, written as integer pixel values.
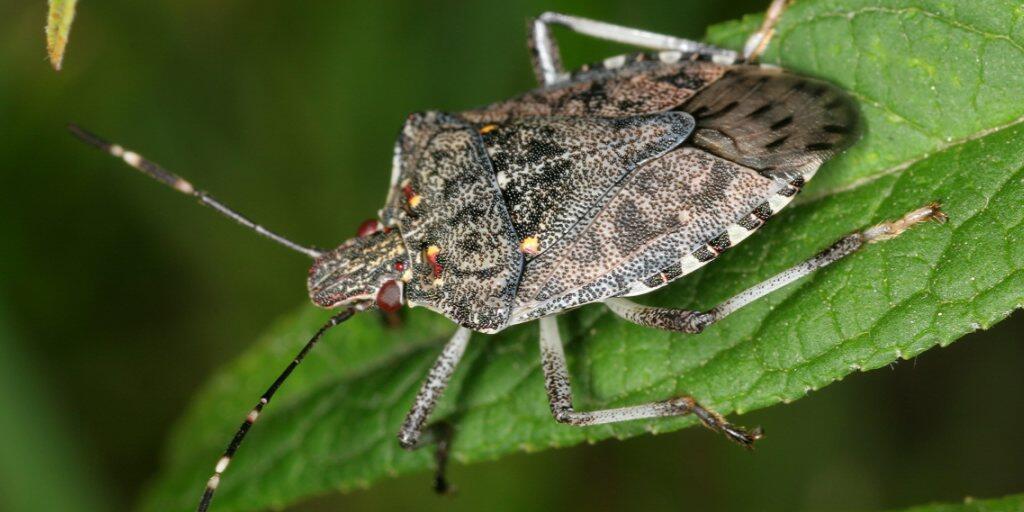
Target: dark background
(118, 298)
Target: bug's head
(363, 271)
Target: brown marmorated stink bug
(604, 183)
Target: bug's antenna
(222, 463)
(176, 182)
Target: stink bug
(604, 183)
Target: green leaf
(939, 84)
(58, 28)
(1013, 503)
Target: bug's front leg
(439, 435)
(681, 320)
(556, 380)
(411, 435)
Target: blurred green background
(118, 298)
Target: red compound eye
(399, 266)
(389, 297)
(369, 227)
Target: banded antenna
(176, 182)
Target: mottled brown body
(643, 230)
(630, 174)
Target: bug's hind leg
(757, 43)
(556, 380)
(413, 435)
(547, 62)
(693, 322)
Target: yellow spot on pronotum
(411, 197)
(488, 128)
(529, 245)
(431, 254)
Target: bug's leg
(544, 54)
(439, 435)
(437, 379)
(556, 380)
(391, 319)
(547, 61)
(222, 463)
(681, 320)
(757, 43)
(411, 435)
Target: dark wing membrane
(552, 170)
(664, 212)
(626, 85)
(445, 201)
(773, 121)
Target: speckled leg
(411, 435)
(547, 63)
(757, 43)
(681, 320)
(433, 387)
(439, 435)
(556, 380)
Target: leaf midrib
(902, 166)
